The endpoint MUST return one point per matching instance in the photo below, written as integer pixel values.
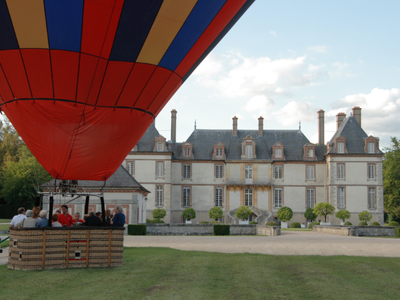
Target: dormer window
(249, 151)
(248, 148)
(340, 147)
(187, 151)
(219, 152)
(310, 153)
(278, 151)
(160, 146)
(371, 145)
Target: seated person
(29, 222)
(119, 217)
(36, 212)
(77, 219)
(18, 218)
(92, 220)
(55, 221)
(42, 220)
(98, 214)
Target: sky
(285, 60)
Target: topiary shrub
(365, 216)
(348, 224)
(271, 223)
(159, 213)
(343, 214)
(393, 223)
(189, 214)
(295, 225)
(310, 215)
(253, 222)
(204, 222)
(215, 213)
(243, 212)
(310, 226)
(285, 214)
(221, 229)
(375, 224)
(136, 229)
(324, 209)
(363, 224)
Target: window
(341, 198)
(129, 167)
(340, 147)
(371, 147)
(186, 152)
(186, 172)
(160, 146)
(371, 171)
(159, 196)
(160, 169)
(218, 152)
(278, 172)
(310, 172)
(218, 171)
(310, 153)
(340, 171)
(278, 153)
(249, 151)
(248, 197)
(218, 197)
(278, 198)
(186, 197)
(310, 198)
(248, 172)
(371, 198)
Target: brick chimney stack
(173, 125)
(339, 119)
(321, 127)
(235, 124)
(357, 114)
(260, 126)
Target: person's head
(29, 213)
(119, 209)
(98, 214)
(108, 213)
(36, 211)
(58, 212)
(21, 210)
(64, 209)
(77, 216)
(43, 213)
(91, 214)
(55, 217)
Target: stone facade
(356, 230)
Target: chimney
(173, 125)
(260, 126)
(357, 114)
(234, 130)
(339, 119)
(321, 127)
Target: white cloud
(318, 49)
(259, 105)
(272, 33)
(294, 112)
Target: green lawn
(5, 221)
(163, 273)
(4, 227)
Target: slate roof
(146, 143)
(354, 134)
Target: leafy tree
(159, 213)
(365, 216)
(285, 214)
(189, 214)
(391, 177)
(310, 215)
(343, 214)
(243, 212)
(215, 213)
(324, 209)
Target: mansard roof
(354, 134)
(146, 143)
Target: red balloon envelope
(81, 80)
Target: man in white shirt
(18, 218)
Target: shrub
(136, 229)
(393, 223)
(221, 229)
(348, 224)
(253, 222)
(363, 223)
(204, 222)
(310, 226)
(397, 231)
(285, 214)
(215, 222)
(159, 213)
(243, 212)
(365, 216)
(295, 225)
(310, 215)
(375, 224)
(271, 223)
(324, 209)
(215, 213)
(343, 214)
(189, 213)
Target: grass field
(163, 273)
(4, 227)
(5, 221)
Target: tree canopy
(391, 178)
(310, 215)
(243, 212)
(343, 214)
(159, 213)
(215, 213)
(285, 214)
(324, 209)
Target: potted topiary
(343, 214)
(243, 213)
(364, 217)
(310, 215)
(189, 214)
(324, 209)
(215, 213)
(158, 214)
(284, 215)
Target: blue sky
(285, 60)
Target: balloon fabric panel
(8, 40)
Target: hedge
(295, 225)
(272, 223)
(347, 224)
(253, 222)
(221, 229)
(375, 224)
(363, 223)
(393, 223)
(397, 231)
(310, 226)
(136, 229)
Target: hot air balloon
(81, 80)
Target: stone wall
(268, 230)
(356, 230)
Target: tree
(324, 209)
(310, 215)
(159, 213)
(343, 214)
(391, 177)
(215, 213)
(189, 214)
(285, 214)
(243, 212)
(365, 216)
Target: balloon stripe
(97, 81)
(64, 24)
(5, 90)
(8, 40)
(29, 23)
(173, 83)
(136, 20)
(199, 19)
(170, 18)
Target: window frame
(248, 172)
(340, 147)
(340, 165)
(159, 196)
(248, 151)
(279, 167)
(219, 174)
(278, 201)
(371, 147)
(341, 188)
(308, 199)
(219, 197)
(159, 169)
(248, 197)
(278, 152)
(312, 172)
(188, 173)
(130, 163)
(373, 166)
(219, 152)
(186, 197)
(160, 146)
(370, 188)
